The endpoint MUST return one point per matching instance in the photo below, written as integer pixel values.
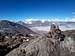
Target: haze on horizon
(20, 10)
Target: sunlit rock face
(56, 33)
(54, 26)
(70, 43)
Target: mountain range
(39, 25)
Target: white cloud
(51, 19)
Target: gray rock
(49, 45)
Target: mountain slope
(22, 23)
(11, 27)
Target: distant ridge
(15, 28)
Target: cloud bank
(67, 19)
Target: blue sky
(36, 9)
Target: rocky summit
(50, 44)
